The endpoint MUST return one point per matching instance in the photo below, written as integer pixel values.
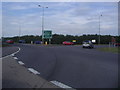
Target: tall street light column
(19, 30)
(42, 22)
(99, 30)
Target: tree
(59, 38)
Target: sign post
(48, 35)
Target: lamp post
(42, 22)
(19, 30)
(99, 30)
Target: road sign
(47, 34)
(73, 40)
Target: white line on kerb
(60, 84)
(15, 58)
(12, 53)
(33, 71)
(21, 63)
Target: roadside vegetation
(59, 38)
(4, 45)
(110, 49)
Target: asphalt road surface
(72, 65)
(8, 50)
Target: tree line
(59, 38)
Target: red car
(10, 41)
(67, 43)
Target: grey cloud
(70, 21)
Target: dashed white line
(21, 63)
(15, 58)
(33, 71)
(60, 84)
(12, 54)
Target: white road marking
(33, 71)
(11, 54)
(16, 51)
(15, 58)
(60, 84)
(21, 63)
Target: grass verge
(110, 49)
(4, 45)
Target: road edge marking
(59, 84)
(33, 71)
(11, 54)
(21, 63)
(15, 58)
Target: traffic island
(17, 76)
(111, 49)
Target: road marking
(21, 63)
(16, 51)
(60, 84)
(33, 71)
(15, 58)
(11, 54)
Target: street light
(19, 30)
(99, 30)
(42, 22)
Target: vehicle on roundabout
(21, 41)
(87, 44)
(10, 41)
(67, 43)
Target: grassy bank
(4, 45)
(110, 49)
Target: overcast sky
(74, 18)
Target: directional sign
(47, 34)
